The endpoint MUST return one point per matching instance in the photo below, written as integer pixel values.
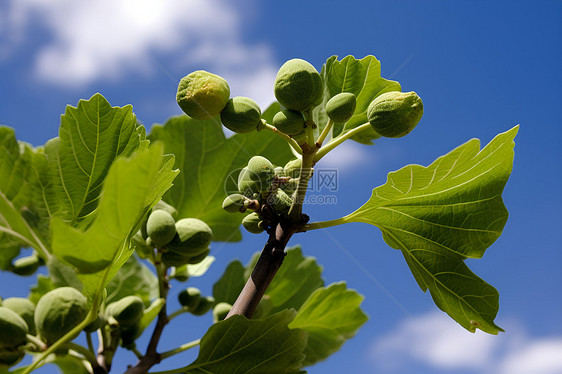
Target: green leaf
(134, 278)
(207, 159)
(228, 287)
(330, 315)
(241, 346)
(91, 136)
(15, 231)
(360, 77)
(133, 185)
(441, 214)
(69, 364)
(44, 285)
(198, 270)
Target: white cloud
(437, 341)
(91, 40)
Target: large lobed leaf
(207, 160)
(133, 185)
(242, 346)
(363, 79)
(91, 136)
(441, 214)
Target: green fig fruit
(289, 121)
(161, 227)
(395, 114)
(253, 223)
(24, 308)
(241, 115)
(341, 107)
(298, 85)
(202, 95)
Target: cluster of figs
(58, 312)
(299, 88)
(181, 242)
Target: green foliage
(266, 345)
(439, 215)
(330, 315)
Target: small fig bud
(241, 115)
(298, 85)
(341, 107)
(189, 297)
(279, 172)
(220, 311)
(256, 177)
(180, 273)
(202, 95)
(252, 223)
(395, 114)
(162, 205)
(289, 121)
(281, 202)
(58, 312)
(234, 203)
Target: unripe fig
(289, 121)
(220, 311)
(202, 95)
(395, 114)
(341, 107)
(293, 168)
(256, 177)
(234, 203)
(192, 238)
(281, 202)
(200, 257)
(180, 273)
(13, 329)
(58, 312)
(241, 115)
(126, 311)
(162, 205)
(93, 326)
(130, 334)
(26, 266)
(205, 304)
(189, 297)
(171, 258)
(300, 138)
(23, 308)
(252, 223)
(298, 85)
(279, 172)
(161, 227)
(142, 249)
(11, 356)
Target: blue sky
(480, 67)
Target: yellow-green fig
(298, 85)
(395, 114)
(202, 95)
